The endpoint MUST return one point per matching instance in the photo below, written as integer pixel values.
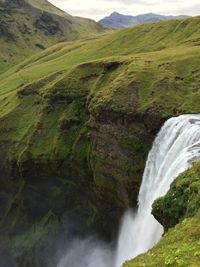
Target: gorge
(176, 147)
(174, 150)
(80, 107)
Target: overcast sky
(97, 9)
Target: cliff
(77, 121)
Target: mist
(88, 252)
(6, 260)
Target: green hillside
(28, 26)
(79, 118)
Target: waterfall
(175, 148)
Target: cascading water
(175, 148)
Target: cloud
(100, 8)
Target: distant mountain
(117, 20)
(27, 26)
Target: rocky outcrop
(182, 200)
(48, 24)
(5, 32)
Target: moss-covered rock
(181, 201)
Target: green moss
(135, 145)
(182, 200)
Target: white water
(175, 148)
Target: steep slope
(118, 21)
(28, 26)
(179, 209)
(78, 119)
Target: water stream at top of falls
(175, 148)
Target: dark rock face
(9, 28)
(153, 119)
(5, 32)
(47, 23)
(3, 28)
(24, 29)
(113, 167)
(9, 6)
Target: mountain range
(117, 20)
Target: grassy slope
(84, 27)
(147, 46)
(180, 246)
(49, 102)
(162, 58)
(21, 37)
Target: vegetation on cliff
(182, 200)
(78, 119)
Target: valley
(78, 116)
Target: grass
(36, 25)
(126, 73)
(81, 112)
